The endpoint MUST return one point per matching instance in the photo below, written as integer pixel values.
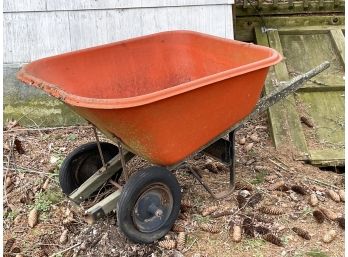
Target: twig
(188, 248)
(278, 165)
(322, 183)
(65, 250)
(8, 167)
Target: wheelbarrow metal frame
(219, 148)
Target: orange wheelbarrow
(163, 97)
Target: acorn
(181, 241)
(319, 216)
(273, 239)
(236, 233)
(209, 210)
(276, 185)
(167, 244)
(329, 236)
(341, 194)
(299, 189)
(333, 195)
(210, 228)
(341, 222)
(271, 210)
(313, 200)
(302, 233)
(328, 213)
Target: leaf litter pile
(280, 207)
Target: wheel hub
(152, 208)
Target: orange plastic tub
(164, 95)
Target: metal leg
(98, 144)
(232, 137)
(230, 153)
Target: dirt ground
(31, 163)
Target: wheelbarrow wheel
(149, 204)
(82, 163)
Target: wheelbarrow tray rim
(118, 103)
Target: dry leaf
(341, 222)
(33, 218)
(248, 147)
(242, 141)
(276, 185)
(64, 237)
(255, 138)
(8, 182)
(45, 184)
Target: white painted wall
(38, 28)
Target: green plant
(11, 215)
(44, 200)
(200, 219)
(72, 137)
(259, 178)
(316, 253)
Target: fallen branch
(65, 250)
(322, 183)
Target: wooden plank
(338, 40)
(303, 30)
(298, 7)
(313, 48)
(327, 157)
(68, 5)
(244, 26)
(285, 121)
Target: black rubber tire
(68, 168)
(129, 196)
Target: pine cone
(167, 244)
(341, 222)
(185, 205)
(181, 241)
(299, 189)
(210, 228)
(236, 233)
(333, 195)
(241, 201)
(271, 210)
(260, 218)
(33, 218)
(328, 213)
(178, 228)
(255, 199)
(183, 216)
(302, 233)
(276, 185)
(248, 227)
(242, 185)
(319, 216)
(221, 214)
(211, 167)
(329, 236)
(8, 245)
(209, 210)
(273, 239)
(313, 200)
(341, 194)
(262, 230)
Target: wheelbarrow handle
(283, 90)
